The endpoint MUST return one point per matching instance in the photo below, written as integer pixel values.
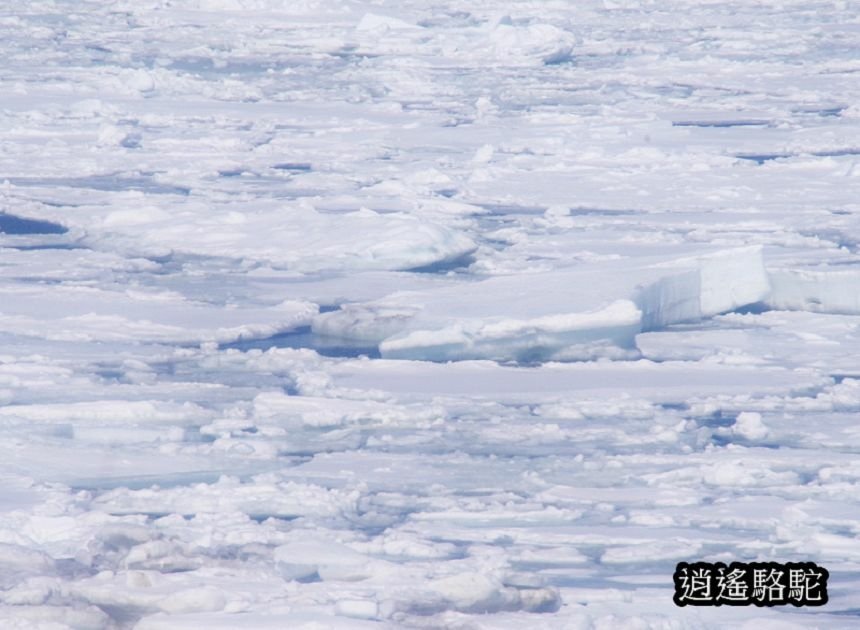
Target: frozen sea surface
(353, 314)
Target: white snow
(748, 425)
(360, 314)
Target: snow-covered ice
(372, 314)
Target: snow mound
(530, 44)
(749, 425)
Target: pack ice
(364, 314)
(579, 313)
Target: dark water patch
(721, 440)
(11, 224)
(761, 158)
(445, 266)
(830, 112)
(154, 516)
(717, 419)
(293, 167)
(824, 112)
(755, 122)
(510, 208)
(57, 204)
(304, 337)
(838, 378)
(261, 517)
(674, 406)
(836, 152)
(756, 308)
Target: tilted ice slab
(580, 313)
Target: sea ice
(359, 314)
